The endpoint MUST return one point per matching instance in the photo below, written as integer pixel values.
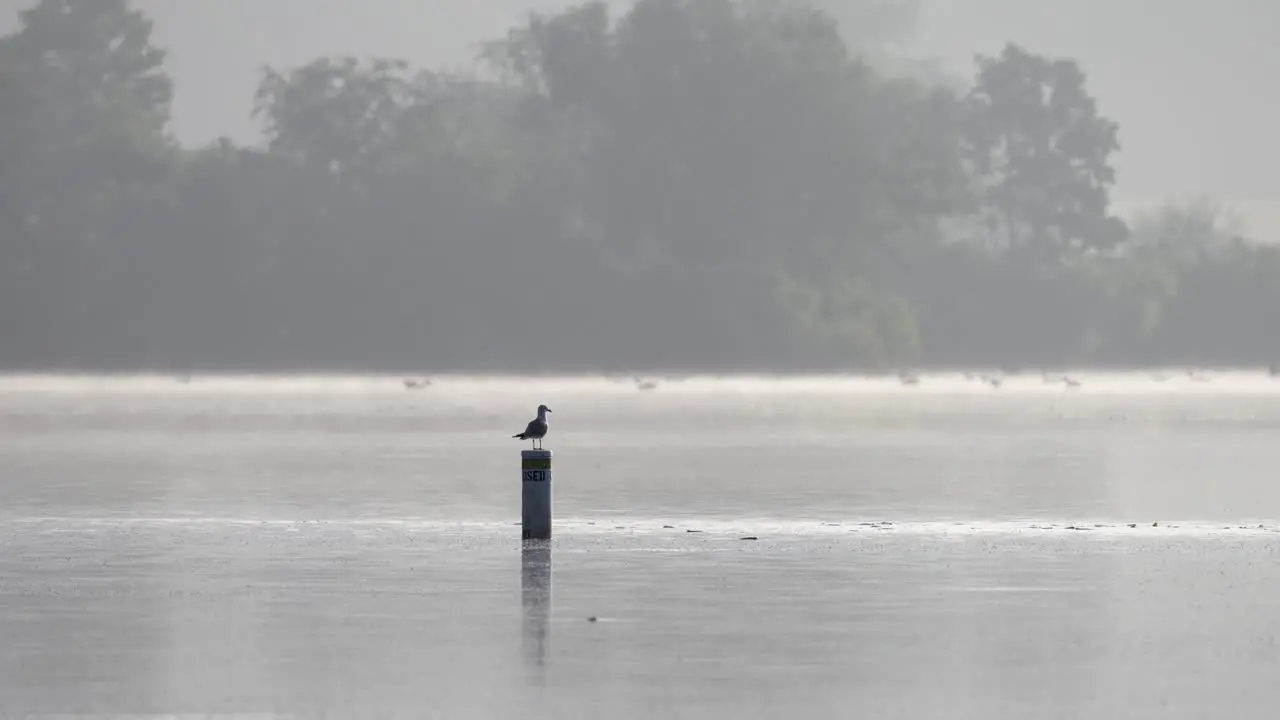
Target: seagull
(536, 429)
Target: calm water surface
(345, 546)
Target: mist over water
(1157, 445)
(449, 387)
(616, 187)
(736, 544)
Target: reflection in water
(203, 550)
(535, 591)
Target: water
(345, 546)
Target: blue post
(535, 514)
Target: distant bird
(536, 429)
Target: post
(535, 512)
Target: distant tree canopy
(685, 184)
(1039, 151)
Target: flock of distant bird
(995, 381)
(906, 377)
(910, 378)
(422, 383)
(537, 428)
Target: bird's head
(544, 409)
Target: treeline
(695, 184)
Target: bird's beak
(548, 409)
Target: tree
(720, 137)
(96, 67)
(98, 102)
(89, 99)
(563, 57)
(1039, 152)
(19, 128)
(338, 115)
(871, 24)
(1187, 232)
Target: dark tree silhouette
(710, 185)
(1040, 153)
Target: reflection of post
(535, 591)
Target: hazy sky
(1189, 81)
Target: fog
(781, 209)
(1186, 78)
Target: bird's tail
(521, 436)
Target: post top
(536, 454)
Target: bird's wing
(531, 428)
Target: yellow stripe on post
(536, 463)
